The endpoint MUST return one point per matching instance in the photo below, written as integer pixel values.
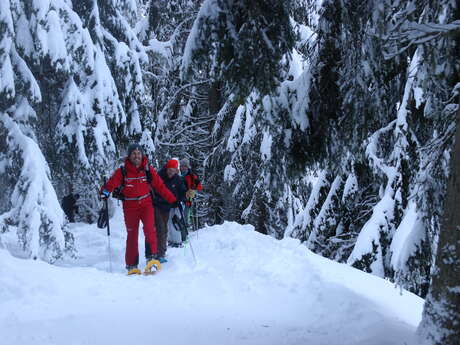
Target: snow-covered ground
(246, 288)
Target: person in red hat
(170, 175)
(134, 182)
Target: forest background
(332, 122)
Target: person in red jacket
(192, 181)
(137, 205)
(193, 185)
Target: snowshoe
(134, 270)
(152, 267)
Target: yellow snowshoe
(134, 271)
(152, 267)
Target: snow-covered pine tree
(440, 315)
(84, 105)
(357, 28)
(111, 25)
(261, 189)
(435, 33)
(395, 139)
(86, 57)
(29, 203)
(409, 147)
(34, 211)
(433, 123)
(233, 156)
(101, 98)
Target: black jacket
(176, 185)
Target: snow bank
(246, 288)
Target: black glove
(175, 204)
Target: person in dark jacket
(69, 205)
(170, 175)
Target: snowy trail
(246, 289)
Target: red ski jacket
(136, 185)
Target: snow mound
(245, 288)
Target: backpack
(195, 181)
(118, 192)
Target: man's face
(136, 158)
(183, 168)
(171, 172)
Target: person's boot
(133, 270)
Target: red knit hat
(172, 163)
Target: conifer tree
(436, 38)
(29, 202)
(73, 92)
(235, 81)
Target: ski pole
(108, 234)
(190, 242)
(106, 201)
(194, 217)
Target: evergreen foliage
(380, 104)
(71, 87)
(245, 42)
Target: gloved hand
(175, 204)
(190, 194)
(105, 194)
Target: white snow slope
(246, 288)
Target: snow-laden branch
(372, 146)
(186, 144)
(196, 124)
(173, 99)
(417, 33)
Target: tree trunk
(441, 316)
(214, 97)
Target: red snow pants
(134, 212)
